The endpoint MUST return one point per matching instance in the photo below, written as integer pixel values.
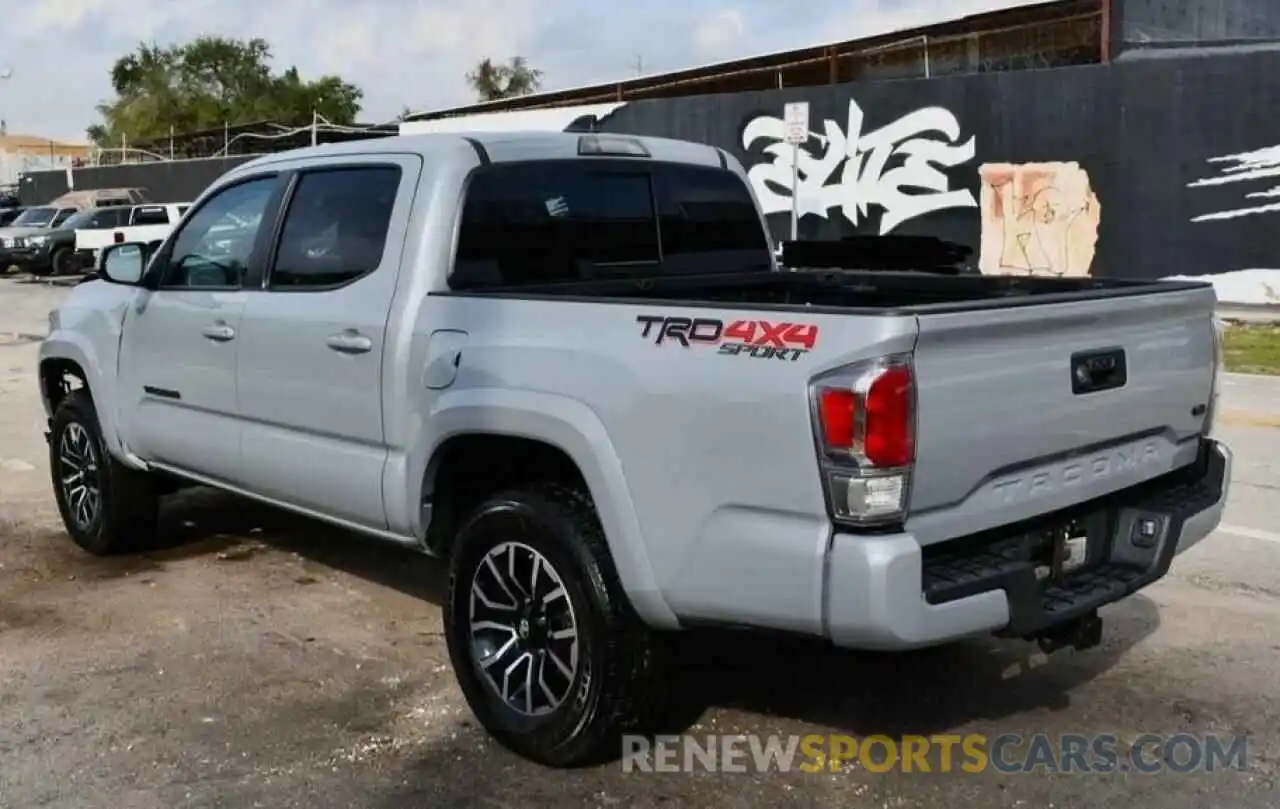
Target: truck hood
(9, 233)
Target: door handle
(349, 342)
(219, 332)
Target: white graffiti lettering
(852, 171)
(1245, 167)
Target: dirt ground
(261, 660)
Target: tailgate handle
(1103, 369)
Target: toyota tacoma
(572, 365)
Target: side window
(709, 221)
(62, 216)
(107, 218)
(212, 248)
(551, 221)
(335, 228)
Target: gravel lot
(260, 660)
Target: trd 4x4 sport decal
(759, 339)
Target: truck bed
(850, 291)
(1004, 433)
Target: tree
(492, 82)
(209, 82)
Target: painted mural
(896, 169)
(1246, 167)
(1258, 169)
(1032, 218)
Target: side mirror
(123, 263)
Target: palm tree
(492, 81)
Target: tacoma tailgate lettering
(1096, 467)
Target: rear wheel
(546, 648)
(107, 507)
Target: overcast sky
(416, 52)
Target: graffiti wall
(1162, 164)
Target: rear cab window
(151, 215)
(556, 221)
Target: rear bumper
(889, 593)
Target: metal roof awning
(555, 119)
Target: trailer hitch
(1080, 633)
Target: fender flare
(74, 347)
(574, 428)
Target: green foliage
(492, 82)
(209, 82)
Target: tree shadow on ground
(789, 679)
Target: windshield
(35, 217)
(83, 219)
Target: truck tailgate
(1027, 409)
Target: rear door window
(335, 227)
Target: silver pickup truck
(571, 365)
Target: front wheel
(62, 262)
(107, 507)
(546, 648)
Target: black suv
(54, 251)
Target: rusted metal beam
(1105, 50)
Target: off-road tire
(127, 515)
(619, 687)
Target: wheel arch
(68, 362)
(533, 432)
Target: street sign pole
(796, 116)
(795, 181)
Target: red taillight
(876, 425)
(838, 409)
(119, 237)
(888, 440)
(864, 423)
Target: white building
(22, 153)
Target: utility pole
(638, 64)
(170, 142)
(5, 75)
(314, 121)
